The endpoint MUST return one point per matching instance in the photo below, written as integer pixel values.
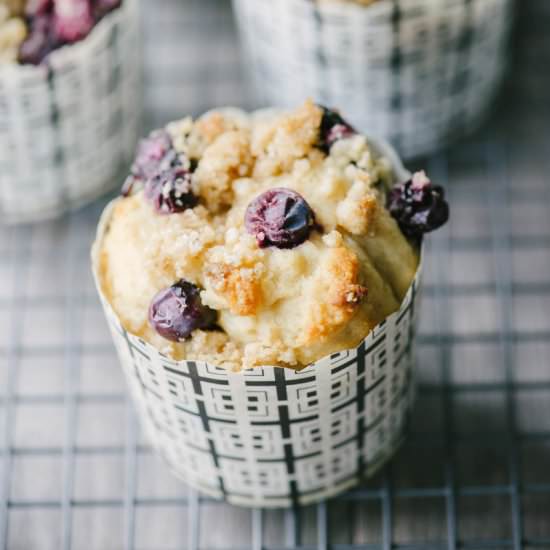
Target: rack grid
(75, 471)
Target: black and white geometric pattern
(418, 72)
(68, 128)
(270, 436)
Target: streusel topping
(248, 240)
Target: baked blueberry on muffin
(266, 239)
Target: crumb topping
(288, 303)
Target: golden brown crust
(279, 144)
(358, 216)
(211, 126)
(224, 160)
(239, 287)
(338, 282)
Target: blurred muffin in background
(420, 73)
(70, 98)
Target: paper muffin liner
(68, 128)
(273, 436)
(420, 73)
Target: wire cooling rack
(75, 472)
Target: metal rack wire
(75, 472)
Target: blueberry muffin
(31, 29)
(266, 239)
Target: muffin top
(31, 29)
(262, 239)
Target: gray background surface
(74, 469)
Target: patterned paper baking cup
(272, 436)
(68, 128)
(420, 73)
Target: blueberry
(177, 311)
(279, 217)
(170, 191)
(333, 128)
(418, 206)
(73, 19)
(40, 40)
(160, 170)
(154, 155)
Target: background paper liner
(68, 129)
(270, 436)
(418, 72)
